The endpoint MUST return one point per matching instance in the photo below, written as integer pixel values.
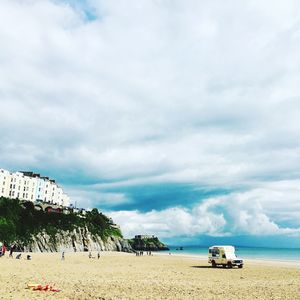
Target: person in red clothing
(3, 250)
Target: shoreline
(267, 261)
(202, 258)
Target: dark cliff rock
(147, 244)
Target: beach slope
(124, 276)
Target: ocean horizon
(289, 254)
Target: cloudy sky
(177, 118)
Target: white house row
(30, 186)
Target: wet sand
(125, 276)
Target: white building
(16, 186)
(40, 188)
(4, 183)
(31, 187)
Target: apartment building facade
(30, 186)
(4, 183)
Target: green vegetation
(20, 222)
(147, 244)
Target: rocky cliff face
(147, 244)
(77, 240)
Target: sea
(259, 253)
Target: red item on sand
(46, 287)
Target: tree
(7, 230)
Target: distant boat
(180, 248)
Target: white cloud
(153, 88)
(167, 223)
(90, 198)
(261, 211)
(197, 92)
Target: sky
(176, 118)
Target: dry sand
(125, 276)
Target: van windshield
(214, 252)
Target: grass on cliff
(147, 244)
(19, 222)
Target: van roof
(227, 247)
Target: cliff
(79, 239)
(43, 231)
(147, 244)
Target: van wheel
(213, 264)
(224, 266)
(229, 265)
(240, 266)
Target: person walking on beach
(11, 250)
(98, 255)
(63, 255)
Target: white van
(223, 256)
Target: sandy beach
(125, 276)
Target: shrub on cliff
(147, 244)
(20, 221)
